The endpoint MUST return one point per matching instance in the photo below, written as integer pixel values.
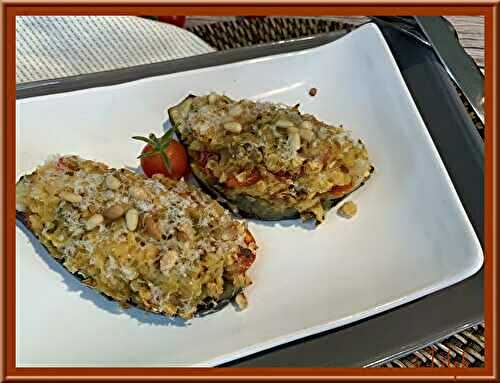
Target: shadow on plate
(136, 169)
(73, 284)
(297, 223)
(167, 125)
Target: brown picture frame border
(11, 9)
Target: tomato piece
(203, 158)
(178, 161)
(232, 182)
(339, 191)
(245, 259)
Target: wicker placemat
(251, 31)
(464, 349)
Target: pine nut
(284, 123)
(212, 97)
(306, 125)
(114, 212)
(241, 301)
(233, 127)
(112, 182)
(241, 177)
(70, 197)
(294, 141)
(93, 222)
(235, 111)
(348, 209)
(307, 135)
(132, 219)
(138, 193)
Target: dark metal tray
(409, 327)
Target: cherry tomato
(163, 155)
(155, 164)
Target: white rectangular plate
(411, 236)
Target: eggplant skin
(242, 204)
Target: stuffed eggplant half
(154, 243)
(269, 161)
